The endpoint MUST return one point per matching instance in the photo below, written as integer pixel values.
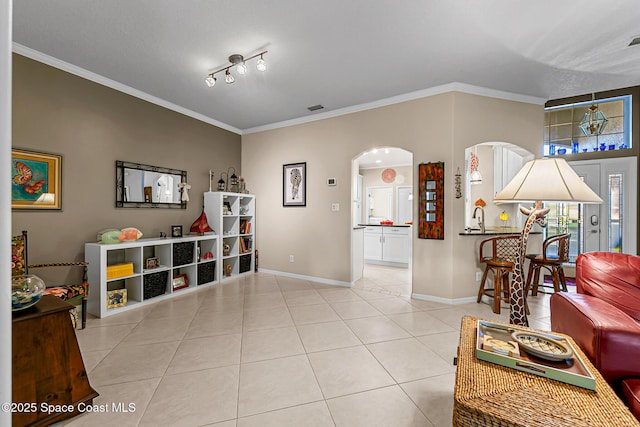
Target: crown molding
(436, 90)
(97, 78)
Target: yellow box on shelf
(119, 270)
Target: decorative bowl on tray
(26, 291)
(542, 346)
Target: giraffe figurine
(517, 303)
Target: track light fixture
(239, 62)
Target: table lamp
(549, 180)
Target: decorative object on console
(431, 208)
(504, 217)
(458, 184)
(201, 225)
(294, 184)
(388, 175)
(227, 270)
(128, 234)
(221, 184)
(239, 62)
(233, 181)
(26, 291)
(184, 190)
(35, 180)
(176, 231)
(551, 180)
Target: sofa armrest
(608, 336)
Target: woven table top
(487, 394)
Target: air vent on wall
(635, 41)
(315, 107)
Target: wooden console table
(487, 394)
(47, 365)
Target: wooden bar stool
(500, 262)
(553, 263)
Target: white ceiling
(338, 53)
(385, 157)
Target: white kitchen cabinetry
(387, 245)
(193, 257)
(232, 216)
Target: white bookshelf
(236, 230)
(176, 256)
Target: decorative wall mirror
(145, 186)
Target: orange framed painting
(35, 180)
(431, 209)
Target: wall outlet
(335, 207)
(292, 258)
(478, 276)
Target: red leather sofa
(603, 318)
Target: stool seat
(552, 262)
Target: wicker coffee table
(487, 394)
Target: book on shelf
(245, 227)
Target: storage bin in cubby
(182, 253)
(245, 263)
(206, 272)
(155, 284)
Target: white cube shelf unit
(194, 256)
(232, 216)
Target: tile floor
(266, 350)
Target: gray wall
(92, 126)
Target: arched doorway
(382, 193)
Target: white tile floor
(263, 350)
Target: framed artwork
(180, 281)
(176, 231)
(431, 209)
(117, 298)
(294, 184)
(35, 180)
(151, 262)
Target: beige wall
(436, 128)
(92, 126)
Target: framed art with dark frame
(294, 184)
(176, 231)
(35, 180)
(180, 281)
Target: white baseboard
(309, 278)
(456, 301)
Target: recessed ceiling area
(342, 55)
(385, 157)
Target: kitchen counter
(385, 225)
(494, 231)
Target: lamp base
(517, 298)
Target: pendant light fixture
(594, 120)
(240, 63)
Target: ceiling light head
(261, 65)
(238, 61)
(210, 81)
(228, 77)
(635, 41)
(593, 122)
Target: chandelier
(593, 121)
(239, 62)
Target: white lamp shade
(547, 180)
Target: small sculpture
(184, 189)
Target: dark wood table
(48, 371)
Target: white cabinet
(191, 259)
(232, 216)
(387, 245)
